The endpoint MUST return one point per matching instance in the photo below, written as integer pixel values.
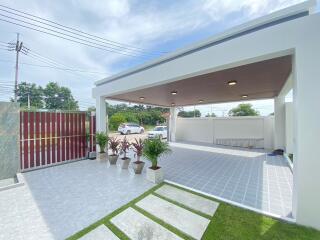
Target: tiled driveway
(244, 176)
(57, 202)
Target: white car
(158, 132)
(128, 128)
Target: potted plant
(153, 150)
(124, 146)
(114, 146)
(138, 148)
(102, 140)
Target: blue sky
(159, 26)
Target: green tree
(189, 114)
(57, 97)
(244, 109)
(35, 95)
(211, 115)
(115, 120)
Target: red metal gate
(49, 138)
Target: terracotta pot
(124, 162)
(155, 175)
(113, 159)
(138, 167)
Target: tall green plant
(154, 149)
(102, 140)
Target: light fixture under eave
(244, 96)
(232, 83)
(173, 104)
(200, 101)
(141, 98)
(174, 93)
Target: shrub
(125, 147)
(102, 140)
(114, 145)
(116, 120)
(138, 148)
(155, 148)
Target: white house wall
(227, 130)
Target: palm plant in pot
(102, 141)
(124, 146)
(138, 149)
(153, 150)
(114, 146)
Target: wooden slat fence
(49, 138)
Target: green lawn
(229, 222)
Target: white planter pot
(125, 163)
(155, 176)
(102, 157)
(113, 159)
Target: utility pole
(17, 49)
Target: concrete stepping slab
(188, 222)
(188, 199)
(139, 227)
(100, 233)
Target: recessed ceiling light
(174, 93)
(232, 83)
(200, 101)
(244, 96)
(173, 104)
(141, 98)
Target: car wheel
(141, 131)
(128, 132)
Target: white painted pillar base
(172, 124)
(279, 122)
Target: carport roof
(258, 80)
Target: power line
(73, 29)
(53, 67)
(84, 41)
(105, 42)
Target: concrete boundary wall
(257, 132)
(9, 139)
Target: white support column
(306, 151)
(101, 120)
(279, 122)
(101, 113)
(172, 124)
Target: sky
(157, 27)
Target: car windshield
(158, 129)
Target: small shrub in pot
(124, 146)
(102, 141)
(114, 144)
(138, 149)
(153, 150)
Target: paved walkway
(248, 177)
(59, 201)
(137, 226)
